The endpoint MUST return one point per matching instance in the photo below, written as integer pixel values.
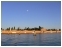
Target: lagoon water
(49, 39)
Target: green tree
(48, 29)
(28, 28)
(18, 28)
(40, 27)
(59, 29)
(9, 28)
(14, 27)
(1, 28)
(25, 28)
(36, 28)
(53, 29)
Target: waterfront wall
(25, 31)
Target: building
(43, 29)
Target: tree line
(27, 28)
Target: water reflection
(30, 40)
(34, 37)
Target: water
(52, 39)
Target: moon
(27, 10)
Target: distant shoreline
(28, 32)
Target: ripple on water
(30, 40)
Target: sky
(31, 14)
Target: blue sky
(31, 14)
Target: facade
(43, 29)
